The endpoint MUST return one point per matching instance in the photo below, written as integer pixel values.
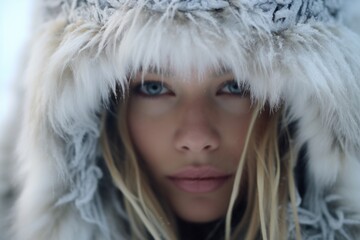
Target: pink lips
(199, 179)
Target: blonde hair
(269, 182)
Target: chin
(200, 217)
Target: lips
(199, 179)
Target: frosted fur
(326, 221)
(38, 212)
(280, 14)
(312, 68)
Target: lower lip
(199, 185)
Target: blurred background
(14, 31)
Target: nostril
(185, 148)
(207, 147)
(196, 141)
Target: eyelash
(141, 89)
(242, 89)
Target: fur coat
(304, 54)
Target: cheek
(151, 108)
(147, 119)
(234, 130)
(143, 134)
(149, 134)
(235, 106)
(233, 122)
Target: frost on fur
(312, 68)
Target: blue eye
(152, 88)
(232, 87)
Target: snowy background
(14, 31)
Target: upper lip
(203, 172)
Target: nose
(197, 131)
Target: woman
(190, 120)
(183, 141)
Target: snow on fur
(312, 68)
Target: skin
(189, 123)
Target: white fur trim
(313, 68)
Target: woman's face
(190, 134)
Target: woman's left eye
(232, 87)
(152, 88)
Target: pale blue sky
(14, 30)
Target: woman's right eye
(152, 89)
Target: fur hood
(303, 54)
